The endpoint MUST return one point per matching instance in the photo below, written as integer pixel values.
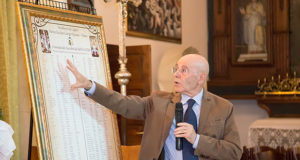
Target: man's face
(186, 79)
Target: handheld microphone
(178, 118)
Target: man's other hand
(187, 131)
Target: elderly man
(209, 130)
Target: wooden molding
(280, 106)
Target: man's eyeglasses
(182, 70)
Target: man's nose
(176, 74)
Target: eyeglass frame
(181, 70)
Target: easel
(30, 136)
(93, 11)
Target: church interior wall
(194, 33)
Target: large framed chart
(68, 124)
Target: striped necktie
(189, 117)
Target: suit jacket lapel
(204, 112)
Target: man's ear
(202, 77)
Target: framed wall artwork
(68, 124)
(160, 20)
(83, 3)
(251, 32)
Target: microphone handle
(178, 143)
(179, 118)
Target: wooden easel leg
(30, 136)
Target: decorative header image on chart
(45, 42)
(94, 46)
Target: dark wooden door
(139, 65)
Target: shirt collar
(197, 98)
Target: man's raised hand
(81, 81)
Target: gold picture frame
(68, 124)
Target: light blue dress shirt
(92, 90)
(170, 146)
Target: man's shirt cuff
(196, 141)
(91, 91)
